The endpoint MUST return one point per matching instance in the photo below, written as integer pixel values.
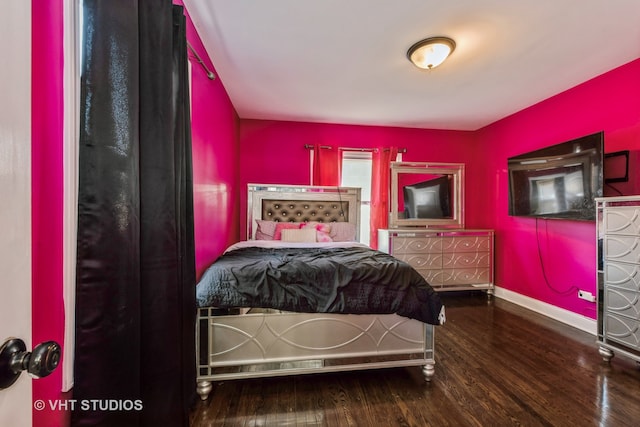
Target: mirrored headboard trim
(300, 203)
(456, 170)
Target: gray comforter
(355, 280)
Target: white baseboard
(560, 314)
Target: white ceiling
(344, 61)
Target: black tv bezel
(596, 139)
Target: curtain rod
(310, 146)
(328, 147)
(209, 72)
(362, 150)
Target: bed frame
(264, 343)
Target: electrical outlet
(587, 296)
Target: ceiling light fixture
(431, 52)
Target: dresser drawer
(622, 220)
(622, 302)
(432, 276)
(622, 330)
(466, 243)
(457, 277)
(466, 260)
(622, 248)
(421, 260)
(408, 245)
(623, 275)
(466, 276)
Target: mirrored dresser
(618, 276)
(427, 229)
(449, 260)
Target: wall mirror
(427, 195)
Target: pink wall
(47, 196)
(215, 161)
(273, 151)
(609, 103)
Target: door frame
(15, 185)
(71, 136)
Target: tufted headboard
(296, 203)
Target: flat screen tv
(428, 199)
(560, 181)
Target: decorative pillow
(322, 230)
(277, 235)
(321, 236)
(298, 235)
(265, 230)
(343, 232)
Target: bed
(311, 322)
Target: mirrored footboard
(265, 344)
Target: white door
(15, 198)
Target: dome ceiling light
(431, 52)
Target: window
(356, 172)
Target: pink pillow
(322, 230)
(321, 236)
(277, 235)
(265, 230)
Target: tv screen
(560, 181)
(428, 199)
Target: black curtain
(135, 295)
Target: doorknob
(14, 358)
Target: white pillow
(299, 235)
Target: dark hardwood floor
(496, 365)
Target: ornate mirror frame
(456, 173)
